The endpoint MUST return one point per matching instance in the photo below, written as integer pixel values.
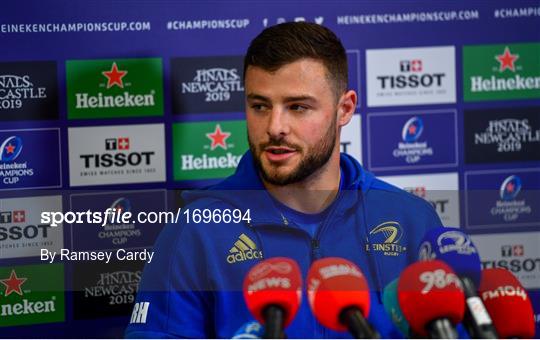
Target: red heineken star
(510, 187)
(114, 76)
(412, 129)
(13, 284)
(218, 138)
(507, 60)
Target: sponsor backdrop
(119, 104)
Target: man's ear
(346, 107)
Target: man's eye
(258, 107)
(298, 107)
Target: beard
(312, 160)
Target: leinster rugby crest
(387, 238)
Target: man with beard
(305, 201)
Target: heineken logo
(114, 76)
(514, 72)
(208, 150)
(31, 295)
(13, 284)
(218, 138)
(507, 60)
(118, 88)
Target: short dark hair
(286, 43)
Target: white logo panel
(516, 252)
(116, 154)
(21, 232)
(410, 76)
(351, 138)
(441, 190)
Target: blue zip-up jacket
(193, 286)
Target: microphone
(273, 292)
(431, 298)
(249, 330)
(457, 250)
(338, 295)
(507, 303)
(391, 306)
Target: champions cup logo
(455, 241)
(14, 89)
(508, 206)
(216, 83)
(10, 170)
(386, 238)
(508, 134)
(10, 149)
(510, 188)
(412, 150)
(119, 234)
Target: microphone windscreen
(428, 291)
(333, 285)
(455, 248)
(391, 306)
(507, 303)
(275, 281)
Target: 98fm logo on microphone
(117, 154)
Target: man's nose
(278, 123)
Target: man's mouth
(278, 153)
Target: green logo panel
(114, 88)
(496, 72)
(207, 150)
(31, 294)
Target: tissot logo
(387, 238)
(116, 154)
(406, 76)
(21, 232)
(114, 88)
(440, 190)
(28, 90)
(512, 250)
(31, 295)
(502, 135)
(501, 71)
(207, 150)
(516, 252)
(210, 84)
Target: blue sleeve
(173, 299)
